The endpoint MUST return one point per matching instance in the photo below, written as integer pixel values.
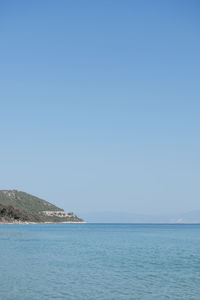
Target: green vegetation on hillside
(24, 201)
(16, 205)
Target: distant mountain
(124, 217)
(16, 206)
(190, 217)
(128, 217)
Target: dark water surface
(99, 261)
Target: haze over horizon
(100, 104)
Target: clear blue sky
(99, 103)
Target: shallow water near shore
(99, 261)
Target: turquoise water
(99, 261)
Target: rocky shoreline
(28, 223)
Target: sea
(99, 262)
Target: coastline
(28, 223)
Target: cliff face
(16, 206)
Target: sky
(99, 103)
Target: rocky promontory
(20, 207)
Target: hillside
(16, 206)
